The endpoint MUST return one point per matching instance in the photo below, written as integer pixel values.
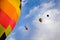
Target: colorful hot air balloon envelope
(9, 15)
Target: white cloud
(11, 36)
(24, 2)
(32, 12)
(49, 28)
(23, 31)
(40, 8)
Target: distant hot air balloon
(26, 27)
(9, 14)
(40, 19)
(47, 15)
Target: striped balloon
(9, 13)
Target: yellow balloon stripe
(2, 30)
(8, 30)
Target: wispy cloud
(11, 36)
(22, 29)
(24, 2)
(49, 28)
(40, 8)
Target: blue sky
(31, 11)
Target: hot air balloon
(9, 14)
(47, 15)
(40, 19)
(26, 27)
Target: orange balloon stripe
(9, 9)
(5, 20)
